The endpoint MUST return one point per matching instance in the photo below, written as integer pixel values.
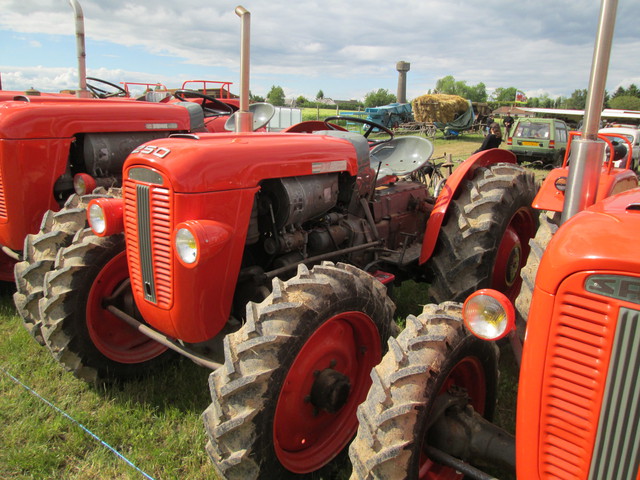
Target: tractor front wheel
(549, 223)
(433, 356)
(284, 403)
(38, 256)
(82, 335)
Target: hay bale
(438, 107)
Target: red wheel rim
(513, 251)
(306, 439)
(115, 339)
(469, 374)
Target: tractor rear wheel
(38, 256)
(549, 223)
(82, 335)
(432, 356)
(284, 402)
(484, 239)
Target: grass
(155, 423)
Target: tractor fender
(551, 194)
(465, 171)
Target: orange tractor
(55, 149)
(218, 250)
(428, 412)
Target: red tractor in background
(54, 145)
(220, 249)
(578, 407)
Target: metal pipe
(82, 53)
(324, 256)
(445, 459)
(586, 154)
(163, 339)
(245, 117)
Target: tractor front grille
(148, 232)
(617, 449)
(3, 200)
(587, 433)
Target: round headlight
(489, 314)
(97, 218)
(83, 183)
(186, 245)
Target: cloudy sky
(344, 48)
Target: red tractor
(427, 413)
(54, 145)
(219, 249)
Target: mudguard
(465, 171)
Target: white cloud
(344, 48)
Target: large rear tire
(434, 354)
(284, 403)
(85, 338)
(38, 256)
(484, 240)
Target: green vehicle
(539, 140)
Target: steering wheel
(211, 106)
(101, 92)
(362, 121)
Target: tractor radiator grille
(617, 449)
(148, 228)
(583, 342)
(3, 200)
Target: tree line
(623, 98)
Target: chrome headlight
(489, 314)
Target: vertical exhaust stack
(403, 68)
(245, 117)
(587, 152)
(82, 54)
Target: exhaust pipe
(244, 121)
(82, 54)
(587, 152)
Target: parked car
(632, 134)
(541, 140)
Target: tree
(319, 95)
(625, 102)
(276, 96)
(448, 85)
(577, 100)
(378, 98)
(301, 101)
(504, 95)
(255, 98)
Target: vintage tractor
(53, 146)
(219, 250)
(426, 415)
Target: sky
(346, 48)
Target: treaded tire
(86, 339)
(481, 221)
(56, 231)
(549, 223)
(251, 390)
(434, 348)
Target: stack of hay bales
(438, 108)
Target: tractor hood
(221, 161)
(602, 237)
(64, 117)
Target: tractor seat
(401, 156)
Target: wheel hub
(330, 390)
